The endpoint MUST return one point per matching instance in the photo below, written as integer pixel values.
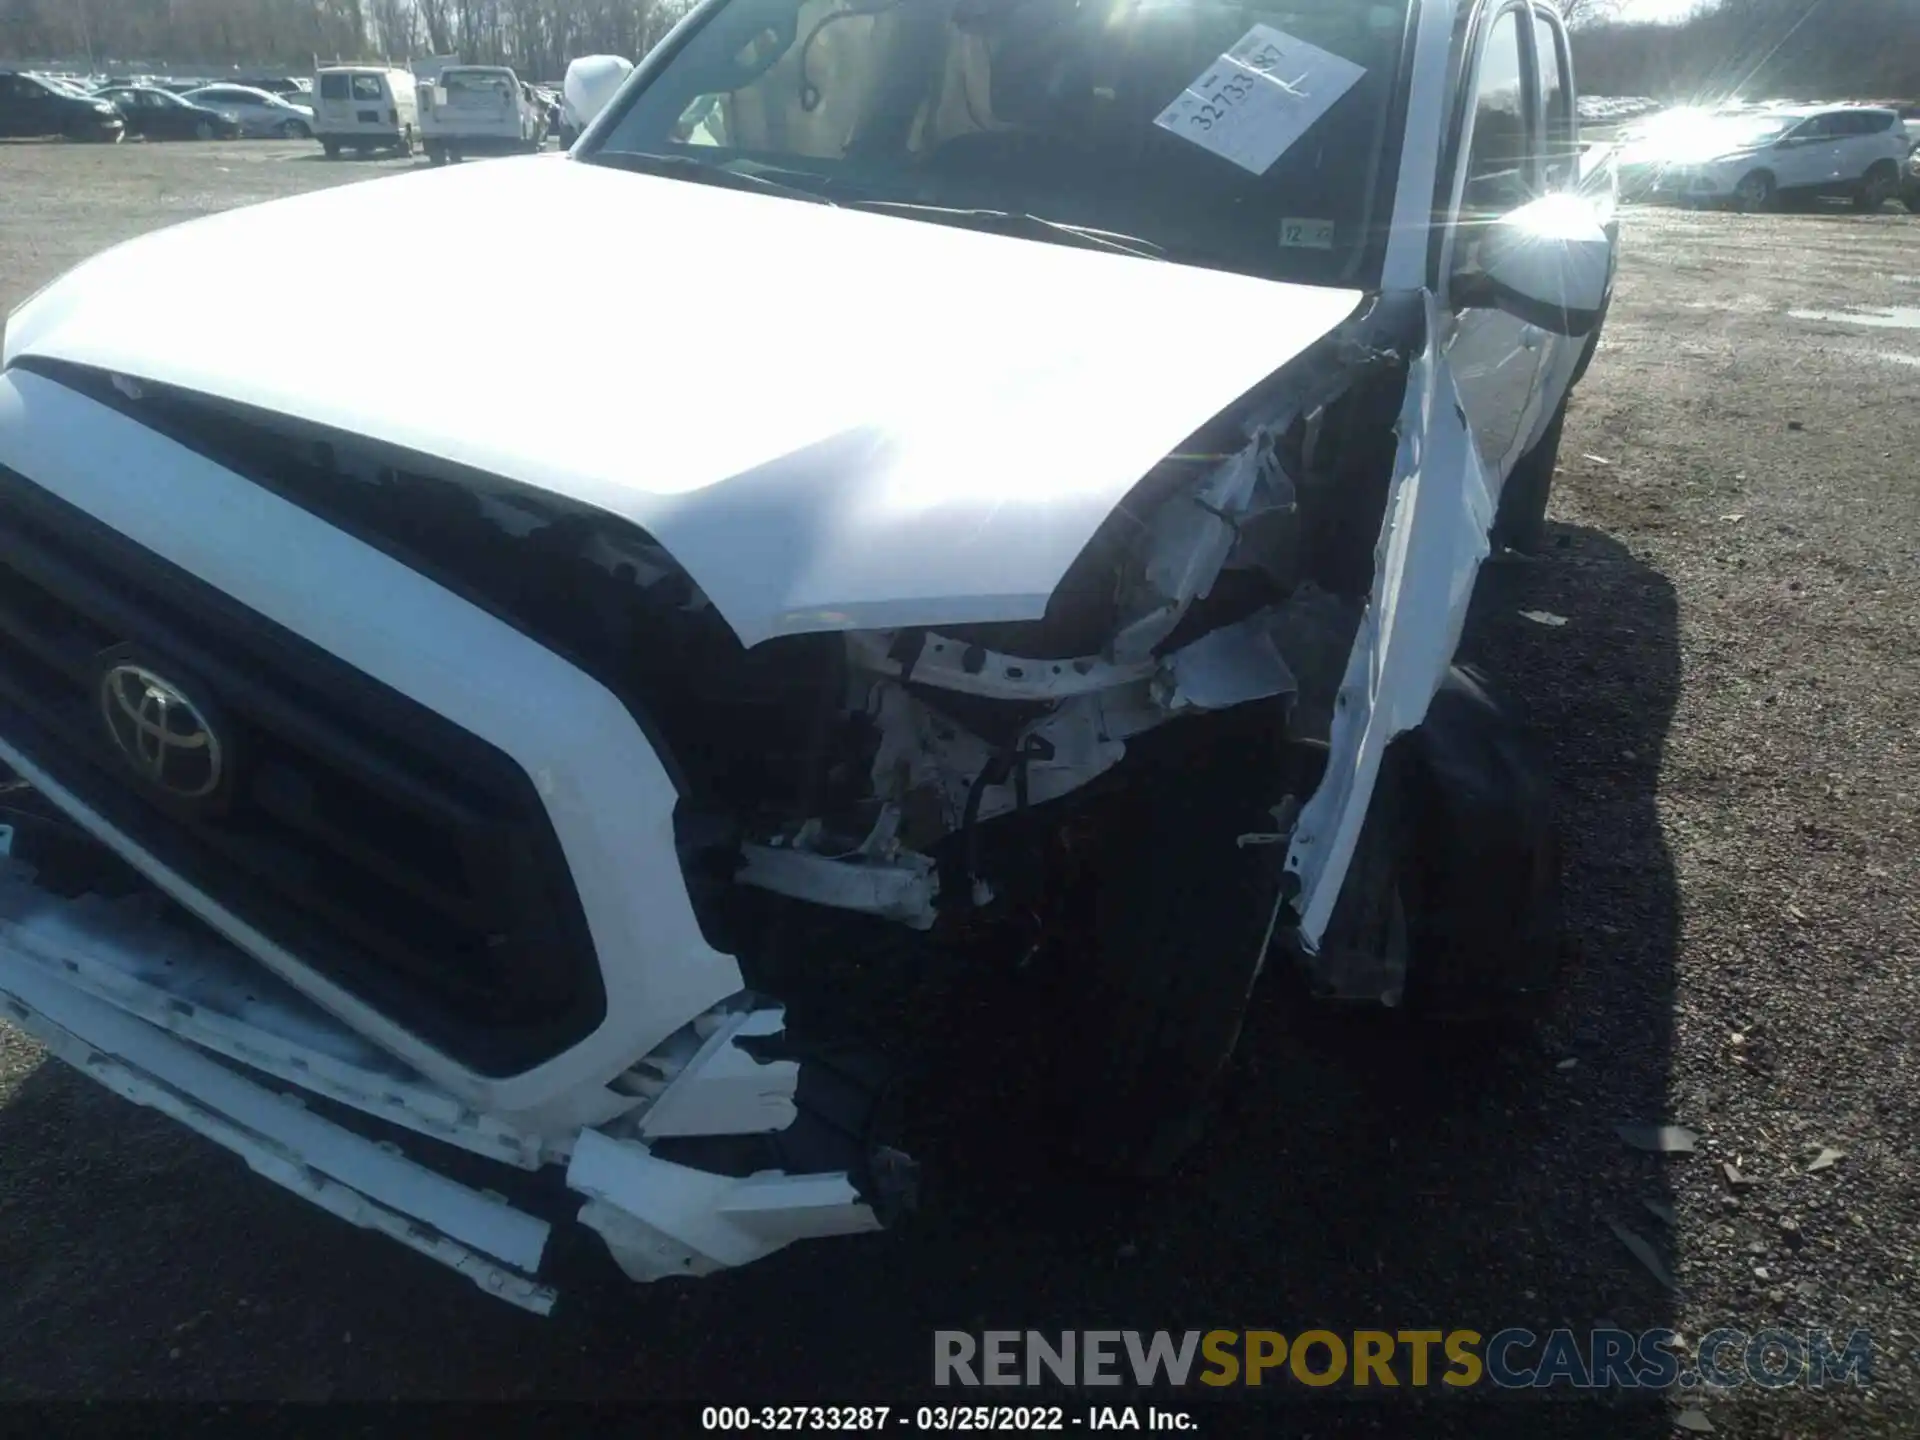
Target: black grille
(395, 852)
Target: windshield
(1251, 139)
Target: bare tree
(1585, 12)
(1758, 49)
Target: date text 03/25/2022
(943, 1418)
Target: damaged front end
(1310, 553)
(1303, 558)
(168, 1016)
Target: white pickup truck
(1020, 482)
(478, 110)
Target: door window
(367, 87)
(333, 87)
(1560, 153)
(1499, 158)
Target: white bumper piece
(167, 1015)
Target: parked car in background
(364, 108)
(35, 108)
(293, 89)
(1910, 189)
(1909, 113)
(478, 110)
(64, 83)
(1756, 160)
(261, 114)
(156, 114)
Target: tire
(1460, 840)
(1756, 193)
(203, 130)
(1148, 1020)
(1879, 185)
(1520, 524)
(295, 130)
(435, 155)
(405, 145)
(331, 148)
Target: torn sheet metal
(929, 763)
(902, 889)
(492, 1244)
(660, 1219)
(1233, 665)
(925, 754)
(193, 984)
(966, 669)
(723, 1090)
(1433, 538)
(1192, 536)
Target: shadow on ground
(1349, 1185)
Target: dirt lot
(1731, 702)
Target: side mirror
(592, 81)
(1547, 263)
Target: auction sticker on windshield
(1256, 100)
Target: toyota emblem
(160, 733)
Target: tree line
(1813, 49)
(536, 37)
(1758, 50)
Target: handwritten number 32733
(1221, 101)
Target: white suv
(1757, 160)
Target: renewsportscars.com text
(1509, 1359)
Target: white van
(364, 107)
(478, 110)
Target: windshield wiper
(1018, 222)
(686, 167)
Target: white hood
(833, 420)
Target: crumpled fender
(1433, 538)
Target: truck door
(1497, 359)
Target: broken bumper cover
(169, 1017)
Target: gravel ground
(1731, 705)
